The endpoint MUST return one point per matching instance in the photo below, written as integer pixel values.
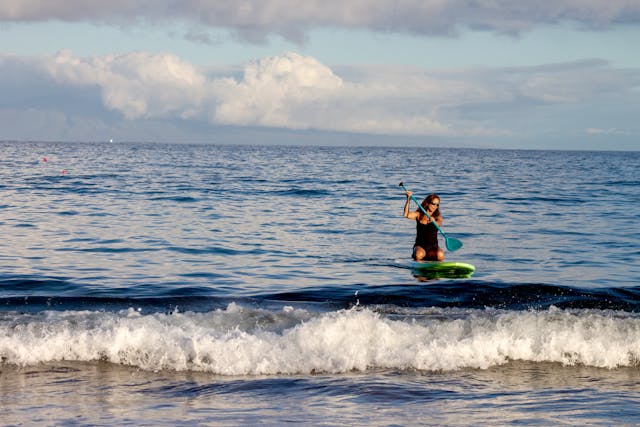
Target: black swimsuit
(426, 236)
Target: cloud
(274, 90)
(296, 92)
(254, 20)
(288, 91)
(139, 85)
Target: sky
(526, 74)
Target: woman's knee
(418, 253)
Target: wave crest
(248, 341)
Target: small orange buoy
(63, 172)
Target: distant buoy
(44, 160)
(111, 140)
(63, 172)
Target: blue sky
(501, 74)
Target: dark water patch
(356, 389)
(528, 200)
(256, 387)
(177, 199)
(102, 214)
(107, 250)
(300, 192)
(25, 225)
(24, 286)
(35, 295)
(93, 240)
(208, 250)
(164, 304)
(470, 294)
(623, 183)
(203, 275)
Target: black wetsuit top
(426, 235)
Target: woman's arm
(407, 214)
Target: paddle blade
(453, 244)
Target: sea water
(149, 284)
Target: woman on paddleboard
(426, 245)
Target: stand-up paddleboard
(442, 269)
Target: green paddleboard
(443, 269)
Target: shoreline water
(518, 392)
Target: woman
(426, 245)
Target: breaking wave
(239, 340)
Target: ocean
(175, 285)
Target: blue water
(150, 284)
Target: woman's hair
(426, 202)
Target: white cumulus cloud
(139, 85)
(274, 90)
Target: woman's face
(433, 205)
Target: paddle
(452, 244)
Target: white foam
(239, 341)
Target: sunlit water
(176, 285)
